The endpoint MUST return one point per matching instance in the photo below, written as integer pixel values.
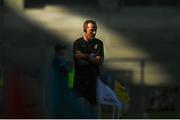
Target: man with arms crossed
(88, 54)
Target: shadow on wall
(42, 3)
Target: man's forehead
(91, 25)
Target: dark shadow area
(22, 63)
(1, 3)
(42, 3)
(151, 3)
(94, 3)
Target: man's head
(90, 28)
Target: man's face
(90, 31)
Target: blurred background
(141, 44)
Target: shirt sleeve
(77, 47)
(100, 50)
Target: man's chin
(92, 38)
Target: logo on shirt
(95, 46)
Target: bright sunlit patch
(153, 73)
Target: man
(88, 53)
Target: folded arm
(92, 58)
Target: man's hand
(95, 59)
(98, 58)
(80, 55)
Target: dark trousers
(86, 87)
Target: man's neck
(85, 38)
